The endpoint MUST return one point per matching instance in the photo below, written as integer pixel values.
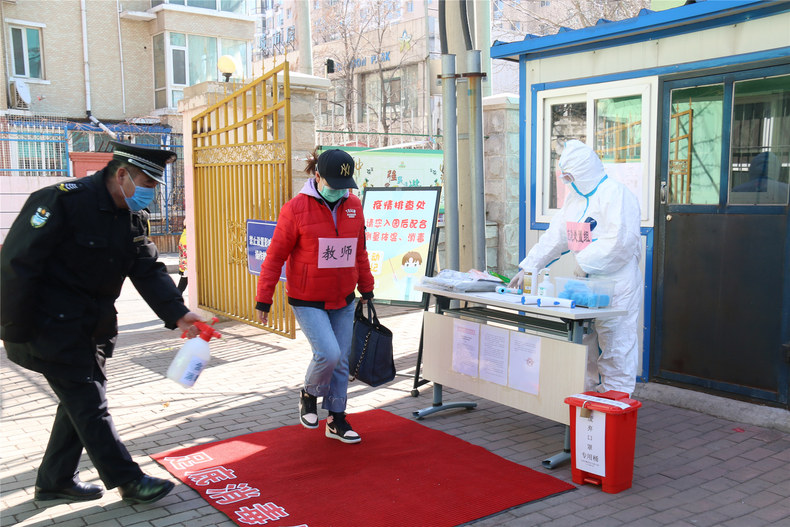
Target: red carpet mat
(402, 473)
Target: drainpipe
(450, 139)
(86, 67)
(95, 121)
(477, 177)
(120, 51)
(102, 126)
(483, 39)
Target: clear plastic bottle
(546, 288)
(530, 286)
(191, 359)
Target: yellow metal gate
(242, 170)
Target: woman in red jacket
(320, 235)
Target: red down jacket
(324, 251)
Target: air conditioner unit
(20, 95)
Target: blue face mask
(331, 194)
(142, 197)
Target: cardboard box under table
(603, 437)
(524, 356)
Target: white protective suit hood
(581, 161)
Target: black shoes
(308, 411)
(79, 492)
(145, 489)
(337, 427)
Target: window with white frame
(614, 118)
(182, 60)
(238, 7)
(26, 53)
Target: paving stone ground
(690, 468)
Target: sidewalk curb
(738, 411)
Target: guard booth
(690, 108)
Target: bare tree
(540, 17)
(512, 19)
(387, 104)
(344, 24)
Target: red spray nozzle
(206, 331)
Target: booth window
(695, 138)
(26, 52)
(760, 142)
(568, 120)
(611, 118)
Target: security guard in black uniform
(62, 266)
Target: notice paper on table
(524, 370)
(493, 354)
(466, 346)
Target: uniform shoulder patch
(70, 187)
(40, 217)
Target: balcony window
(26, 52)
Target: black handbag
(371, 349)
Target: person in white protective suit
(613, 213)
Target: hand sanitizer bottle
(546, 288)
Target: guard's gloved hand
(579, 272)
(518, 280)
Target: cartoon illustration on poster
(399, 223)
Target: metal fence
(38, 145)
(34, 147)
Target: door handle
(663, 193)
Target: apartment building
(78, 72)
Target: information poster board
(400, 231)
(395, 168)
(259, 236)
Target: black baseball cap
(151, 160)
(337, 168)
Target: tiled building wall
(120, 89)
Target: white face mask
(567, 178)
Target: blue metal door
(723, 246)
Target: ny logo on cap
(345, 169)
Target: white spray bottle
(546, 288)
(193, 356)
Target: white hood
(583, 164)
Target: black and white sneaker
(308, 411)
(337, 427)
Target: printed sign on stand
(400, 231)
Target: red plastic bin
(602, 443)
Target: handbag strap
(361, 356)
(372, 317)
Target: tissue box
(586, 292)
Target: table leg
(438, 405)
(558, 459)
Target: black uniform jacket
(62, 266)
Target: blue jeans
(329, 333)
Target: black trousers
(82, 421)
